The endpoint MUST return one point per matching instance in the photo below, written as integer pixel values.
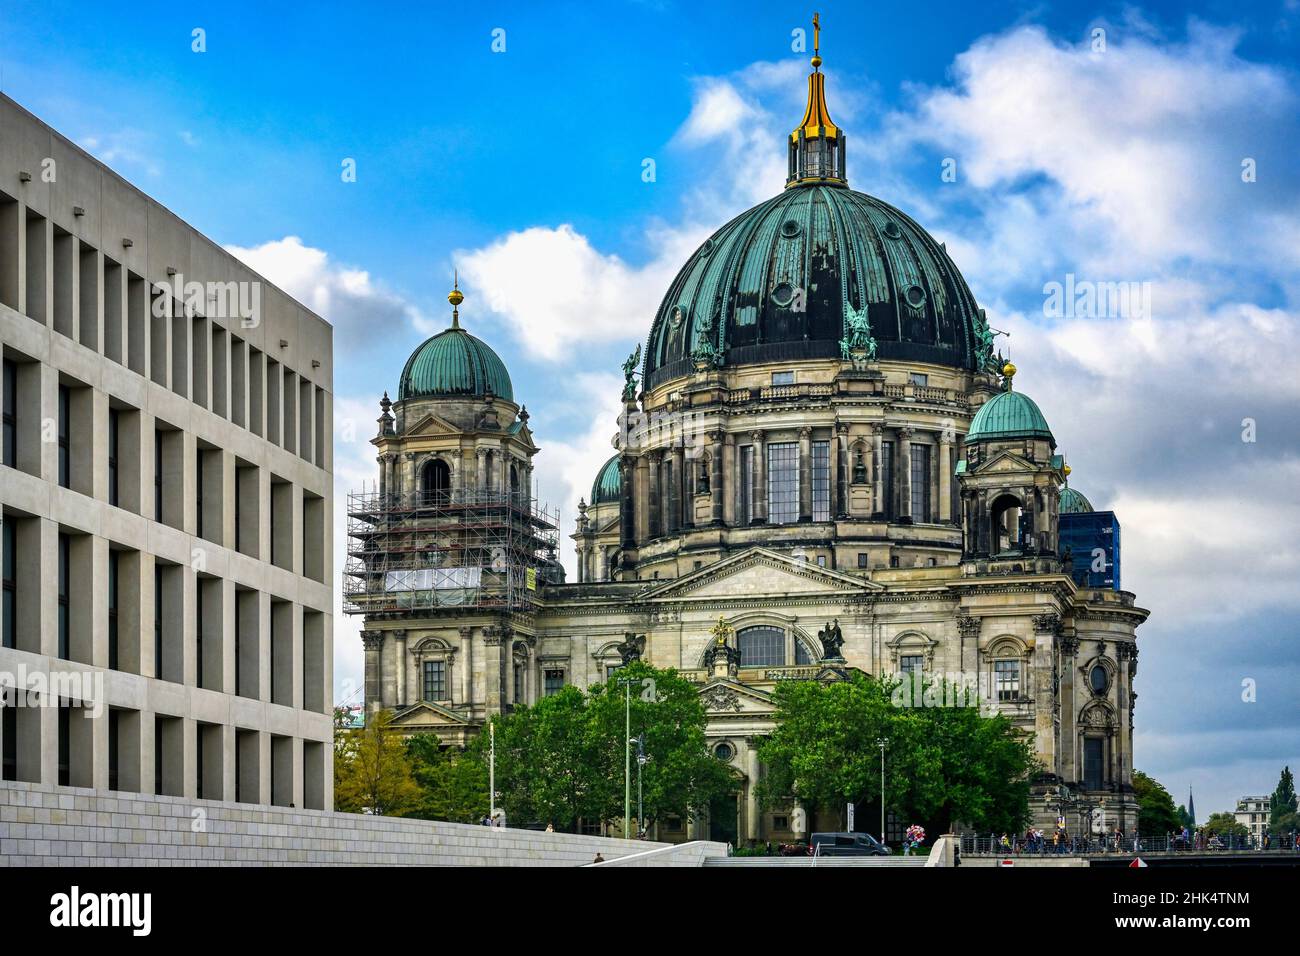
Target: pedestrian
(550, 828)
(599, 859)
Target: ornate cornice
(969, 626)
(1049, 623)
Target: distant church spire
(817, 146)
(1191, 807)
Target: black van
(847, 844)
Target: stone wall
(71, 826)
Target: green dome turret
(454, 363)
(608, 484)
(1009, 415)
(1073, 503)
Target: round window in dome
(790, 229)
(724, 752)
(783, 294)
(892, 230)
(915, 296)
(707, 247)
(1099, 678)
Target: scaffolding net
(446, 549)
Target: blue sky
(523, 169)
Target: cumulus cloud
(361, 310)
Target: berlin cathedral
(822, 466)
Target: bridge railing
(974, 844)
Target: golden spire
(1008, 373)
(455, 297)
(817, 117)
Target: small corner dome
(1074, 503)
(1008, 416)
(454, 363)
(608, 484)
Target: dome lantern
(454, 364)
(817, 145)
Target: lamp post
(492, 772)
(882, 743)
(641, 760)
(627, 753)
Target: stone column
(481, 483)
(877, 467)
(495, 644)
(1124, 732)
(654, 513)
(466, 667)
(945, 478)
(904, 479)
(399, 650)
(1068, 757)
(373, 643)
(677, 490)
(751, 798)
(715, 476)
(838, 477)
(1043, 687)
(805, 475)
(626, 513)
(759, 494)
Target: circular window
(892, 230)
(790, 229)
(675, 318)
(1099, 679)
(915, 296)
(707, 247)
(783, 294)
(724, 752)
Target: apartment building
(166, 491)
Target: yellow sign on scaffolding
(531, 579)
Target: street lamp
(882, 743)
(641, 760)
(627, 752)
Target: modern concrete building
(166, 494)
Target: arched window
(1004, 513)
(514, 481)
(761, 646)
(1099, 679)
(435, 481)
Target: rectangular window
(10, 636)
(783, 482)
(113, 425)
(821, 481)
(910, 664)
(1007, 678)
(198, 636)
(10, 733)
(887, 477)
(157, 474)
(158, 621)
(1094, 763)
(762, 647)
(435, 680)
(783, 378)
(11, 413)
(918, 378)
(862, 559)
(746, 501)
(519, 684)
(554, 682)
(65, 458)
(921, 483)
(112, 609)
(198, 492)
(64, 622)
(114, 755)
(65, 744)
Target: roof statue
(629, 374)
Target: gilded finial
(817, 41)
(1008, 373)
(455, 297)
(1066, 470)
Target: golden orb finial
(1008, 373)
(1066, 470)
(817, 41)
(455, 297)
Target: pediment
(721, 697)
(1005, 462)
(426, 715)
(760, 571)
(432, 425)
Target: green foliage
(562, 760)
(1283, 802)
(1185, 818)
(453, 784)
(942, 763)
(1284, 825)
(1156, 813)
(1224, 824)
(372, 772)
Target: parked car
(794, 849)
(847, 844)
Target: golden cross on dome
(817, 40)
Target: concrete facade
(166, 494)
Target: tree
(372, 772)
(1282, 804)
(1224, 825)
(453, 784)
(681, 777)
(943, 763)
(1184, 818)
(1156, 813)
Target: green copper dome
(1009, 415)
(454, 363)
(608, 484)
(780, 282)
(1073, 503)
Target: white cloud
(361, 310)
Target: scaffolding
(454, 550)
